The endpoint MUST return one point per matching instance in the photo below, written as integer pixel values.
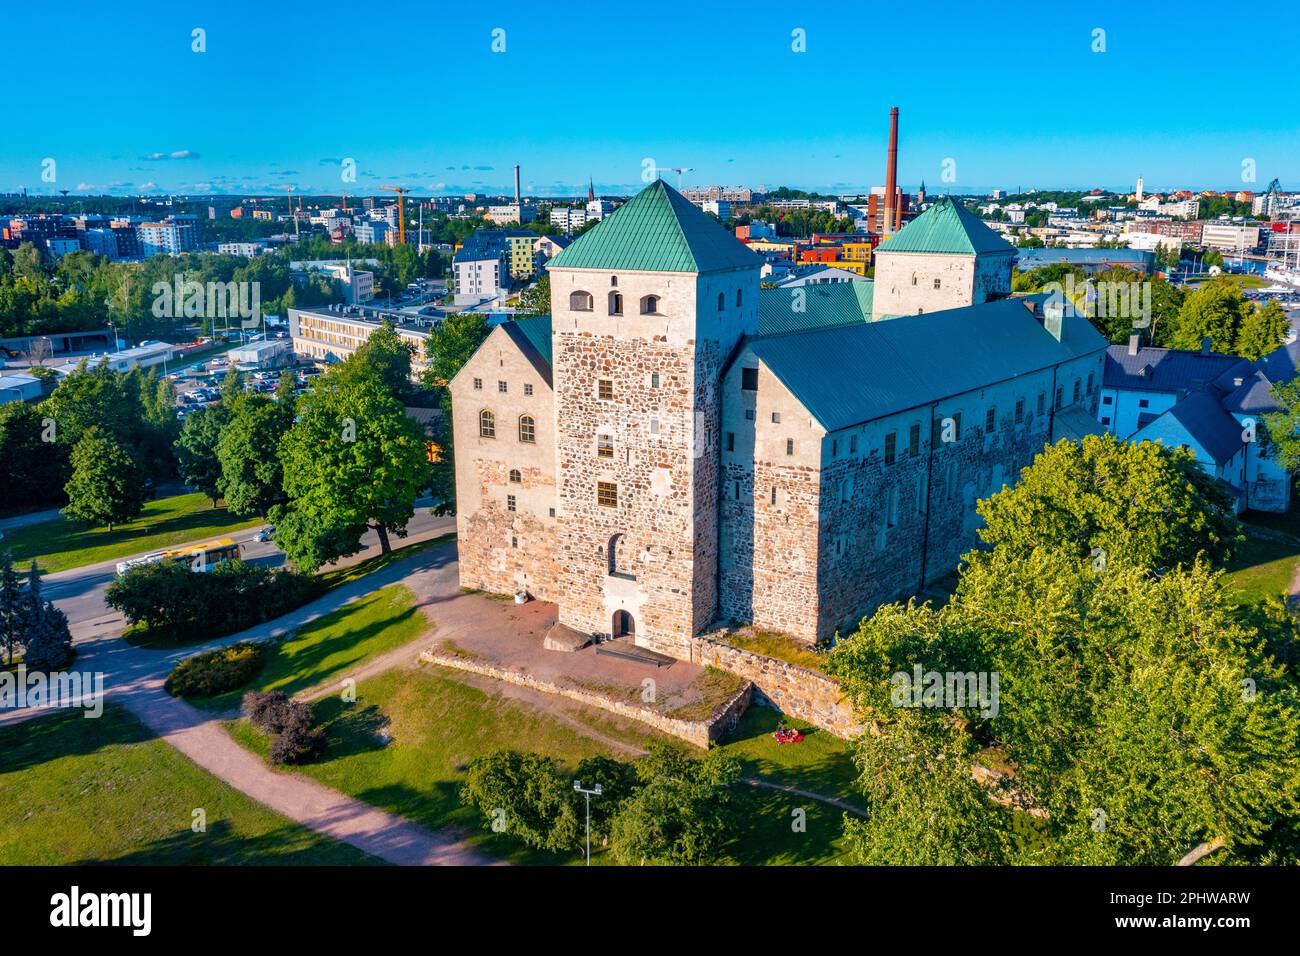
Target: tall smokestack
(891, 176)
(518, 202)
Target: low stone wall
(797, 691)
(701, 733)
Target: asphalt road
(79, 592)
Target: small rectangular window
(835, 447)
(749, 414)
(607, 494)
(1076, 390)
(502, 387)
(749, 379)
(776, 418)
(606, 390)
(853, 444)
(1090, 382)
(1020, 410)
(731, 441)
(914, 440)
(789, 446)
(774, 494)
(936, 283)
(1060, 395)
(528, 388)
(1042, 402)
(514, 542)
(990, 420)
(478, 384)
(605, 446)
(510, 502)
(654, 379)
(891, 447)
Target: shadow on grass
(220, 845)
(65, 733)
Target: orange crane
(292, 215)
(401, 211)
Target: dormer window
(581, 301)
(650, 305)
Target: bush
(289, 722)
(214, 672)
(188, 606)
(528, 795)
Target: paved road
(79, 592)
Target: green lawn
(405, 744)
(331, 646)
(62, 543)
(78, 790)
(337, 577)
(1264, 567)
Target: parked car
(265, 533)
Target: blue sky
(415, 94)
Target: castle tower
(945, 258)
(646, 308)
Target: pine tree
(48, 638)
(11, 607)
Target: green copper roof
(533, 336)
(946, 227)
(816, 306)
(657, 230)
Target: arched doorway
(624, 625)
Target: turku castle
(674, 448)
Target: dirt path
(833, 801)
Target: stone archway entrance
(624, 624)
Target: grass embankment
(775, 645)
(1266, 561)
(62, 543)
(78, 790)
(332, 646)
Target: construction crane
(292, 215)
(401, 211)
(679, 170)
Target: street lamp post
(577, 785)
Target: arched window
(580, 301)
(738, 298)
(515, 477)
(615, 544)
(487, 424)
(616, 303)
(650, 305)
(722, 301)
(913, 278)
(527, 429)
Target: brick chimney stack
(890, 224)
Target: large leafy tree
(1262, 331)
(352, 461)
(1137, 504)
(107, 486)
(1282, 427)
(1216, 312)
(248, 450)
(32, 472)
(196, 451)
(390, 358)
(525, 796)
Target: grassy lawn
(405, 744)
(337, 577)
(61, 543)
(78, 790)
(776, 645)
(1263, 566)
(333, 645)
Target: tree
(536, 299)
(683, 811)
(48, 637)
(1215, 312)
(524, 795)
(1136, 504)
(389, 357)
(11, 607)
(1262, 331)
(32, 471)
(248, 450)
(353, 460)
(196, 451)
(1282, 428)
(107, 486)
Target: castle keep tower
(645, 311)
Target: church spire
(591, 190)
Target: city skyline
(983, 106)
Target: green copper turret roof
(946, 227)
(657, 230)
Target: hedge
(217, 671)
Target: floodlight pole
(577, 785)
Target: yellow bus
(199, 557)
